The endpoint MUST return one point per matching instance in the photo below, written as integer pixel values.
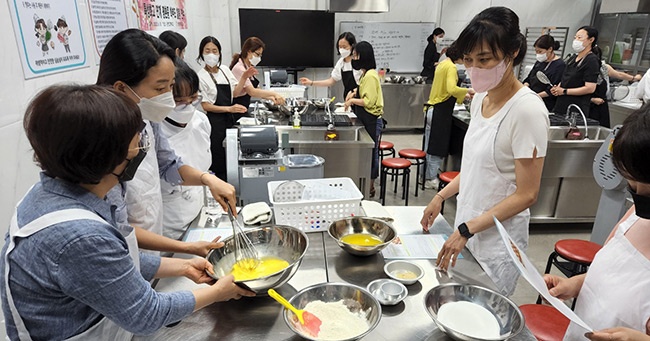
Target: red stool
(386, 149)
(576, 255)
(419, 159)
(395, 167)
(444, 179)
(545, 322)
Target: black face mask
(131, 167)
(641, 204)
(356, 64)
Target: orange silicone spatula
(307, 319)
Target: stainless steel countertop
(259, 318)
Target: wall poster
(107, 18)
(161, 15)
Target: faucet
(330, 118)
(571, 117)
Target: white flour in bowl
(339, 322)
(470, 319)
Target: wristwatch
(464, 231)
(564, 92)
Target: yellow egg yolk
(362, 239)
(243, 271)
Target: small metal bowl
(375, 288)
(376, 227)
(321, 103)
(394, 268)
(357, 299)
(507, 313)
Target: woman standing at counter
(549, 64)
(89, 282)
(431, 55)
(343, 70)
(503, 152)
(613, 294)
(217, 85)
(241, 65)
(598, 108)
(581, 73)
(368, 101)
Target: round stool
(572, 257)
(419, 159)
(444, 179)
(395, 167)
(386, 148)
(545, 322)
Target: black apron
(349, 83)
(245, 100)
(219, 122)
(570, 76)
(537, 86)
(600, 112)
(441, 122)
(369, 122)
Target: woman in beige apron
(503, 152)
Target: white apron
(143, 197)
(105, 329)
(182, 204)
(615, 292)
(482, 186)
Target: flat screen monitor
(293, 38)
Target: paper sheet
(207, 234)
(533, 277)
(415, 246)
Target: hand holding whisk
(246, 255)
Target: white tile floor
(542, 236)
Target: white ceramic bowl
(395, 268)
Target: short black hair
(349, 37)
(205, 41)
(546, 41)
(187, 81)
(80, 133)
(498, 28)
(453, 53)
(632, 145)
(366, 55)
(129, 55)
(436, 32)
(174, 39)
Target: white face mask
(183, 113)
(255, 60)
(156, 108)
(577, 46)
(541, 57)
(344, 52)
(211, 59)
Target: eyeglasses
(145, 141)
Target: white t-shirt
(643, 89)
(341, 66)
(208, 90)
(524, 129)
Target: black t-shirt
(576, 74)
(553, 72)
(431, 57)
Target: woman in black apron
(243, 67)
(343, 70)
(581, 73)
(431, 55)
(550, 65)
(216, 88)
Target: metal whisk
(245, 253)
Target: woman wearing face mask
(176, 41)
(188, 133)
(431, 55)
(141, 66)
(343, 70)
(549, 64)
(90, 283)
(618, 279)
(368, 101)
(581, 73)
(217, 85)
(241, 65)
(503, 152)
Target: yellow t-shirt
(370, 92)
(445, 84)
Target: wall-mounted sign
(161, 15)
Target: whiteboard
(397, 45)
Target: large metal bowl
(510, 318)
(285, 242)
(355, 298)
(303, 105)
(351, 225)
(321, 103)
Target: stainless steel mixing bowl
(377, 227)
(510, 318)
(285, 242)
(355, 298)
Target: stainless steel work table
(259, 318)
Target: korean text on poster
(161, 14)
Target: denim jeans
(433, 161)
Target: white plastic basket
(293, 91)
(313, 209)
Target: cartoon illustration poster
(161, 15)
(49, 36)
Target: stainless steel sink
(596, 134)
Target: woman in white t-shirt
(343, 70)
(503, 151)
(217, 85)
